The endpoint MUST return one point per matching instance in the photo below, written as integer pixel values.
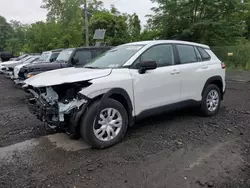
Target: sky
(29, 11)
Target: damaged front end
(59, 106)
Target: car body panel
(67, 75)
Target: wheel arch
(121, 96)
(216, 80)
(118, 94)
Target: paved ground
(174, 150)
(235, 75)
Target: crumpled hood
(66, 75)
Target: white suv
(102, 99)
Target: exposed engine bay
(57, 105)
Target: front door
(158, 87)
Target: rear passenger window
(187, 54)
(83, 56)
(205, 56)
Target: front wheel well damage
(117, 94)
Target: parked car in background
(102, 99)
(6, 56)
(34, 59)
(4, 64)
(8, 67)
(23, 56)
(50, 56)
(67, 58)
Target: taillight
(223, 65)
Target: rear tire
(211, 101)
(111, 127)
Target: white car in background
(34, 59)
(8, 67)
(50, 56)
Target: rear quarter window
(205, 56)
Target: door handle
(175, 72)
(204, 67)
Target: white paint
(66, 75)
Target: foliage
(240, 58)
(216, 23)
(115, 25)
(211, 22)
(64, 27)
(5, 32)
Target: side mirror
(147, 65)
(74, 60)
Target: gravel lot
(174, 150)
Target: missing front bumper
(43, 112)
(58, 115)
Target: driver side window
(163, 55)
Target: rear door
(194, 72)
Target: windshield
(64, 55)
(115, 57)
(44, 56)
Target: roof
(154, 42)
(95, 47)
(55, 50)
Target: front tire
(111, 126)
(211, 101)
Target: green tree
(115, 24)
(214, 23)
(6, 32)
(134, 27)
